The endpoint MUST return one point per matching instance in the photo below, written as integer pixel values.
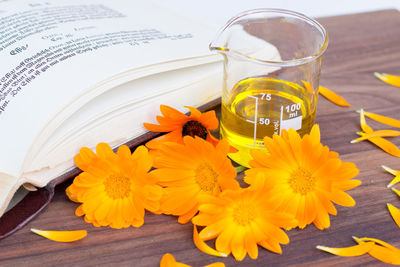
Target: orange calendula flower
(381, 250)
(387, 78)
(382, 143)
(304, 176)
(114, 189)
(179, 125)
(242, 219)
(396, 174)
(190, 170)
(61, 236)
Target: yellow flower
(191, 169)
(241, 219)
(115, 189)
(177, 125)
(304, 176)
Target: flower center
(194, 128)
(244, 213)
(117, 186)
(206, 177)
(302, 181)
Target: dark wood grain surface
(359, 45)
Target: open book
(76, 73)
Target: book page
(52, 51)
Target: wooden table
(359, 45)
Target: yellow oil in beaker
(259, 107)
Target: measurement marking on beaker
(255, 120)
(280, 121)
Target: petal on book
(202, 246)
(356, 250)
(387, 78)
(395, 212)
(379, 133)
(333, 97)
(61, 236)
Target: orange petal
(395, 212)
(61, 236)
(387, 78)
(216, 264)
(383, 119)
(363, 124)
(380, 133)
(396, 179)
(333, 97)
(168, 260)
(382, 250)
(379, 242)
(396, 191)
(384, 254)
(385, 145)
(356, 250)
(202, 246)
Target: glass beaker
(272, 63)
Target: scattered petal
(396, 173)
(61, 236)
(202, 246)
(168, 260)
(356, 250)
(385, 145)
(395, 212)
(382, 143)
(390, 170)
(396, 191)
(216, 264)
(333, 97)
(379, 242)
(328, 94)
(364, 126)
(387, 78)
(379, 133)
(381, 250)
(382, 119)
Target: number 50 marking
(263, 121)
